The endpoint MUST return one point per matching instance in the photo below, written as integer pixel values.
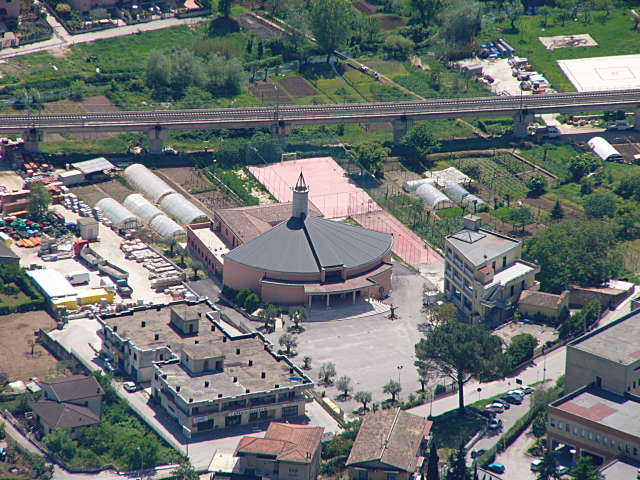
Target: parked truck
(78, 277)
(95, 260)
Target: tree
(224, 8)
(63, 8)
(557, 213)
(39, 200)
(306, 362)
(433, 472)
(185, 471)
(242, 295)
(460, 351)
(331, 22)
(288, 341)
(539, 425)
(251, 302)
(196, 266)
(549, 466)
(343, 384)
(398, 47)
(581, 165)
(600, 205)
(514, 10)
(371, 155)
(426, 371)
(586, 470)
(437, 315)
(521, 217)
(418, 143)
(521, 348)
(31, 342)
(393, 388)
(574, 251)
(536, 184)
(61, 443)
(458, 464)
(327, 372)
(545, 11)
(629, 186)
(604, 6)
(298, 316)
(268, 316)
(461, 22)
(426, 10)
(364, 398)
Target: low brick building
(533, 304)
(287, 452)
(389, 446)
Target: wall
(283, 294)
(581, 368)
(9, 8)
(86, 5)
(608, 297)
(375, 474)
(238, 277)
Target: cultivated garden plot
(568, 41)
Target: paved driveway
(517, 463)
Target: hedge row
(20, 278)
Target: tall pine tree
(432, 467)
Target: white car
(517, 391)
(495, 407)
(129, 386)
(527, 389)
(561, 469)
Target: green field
(493, 175)
(614, 34)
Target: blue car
(496, 467)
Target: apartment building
(9, 9)
(599, 417)
(608, 357)
(484, 273)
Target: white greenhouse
(462, 197)
(432, 197)
(120, 216)
(166, 228)
(142, 208)
(604, 150)
(182, 209)
(147, 182)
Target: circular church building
(311, 260)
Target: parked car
(561, 469)
(504, 403)
(517, 391)
(494, 424)
(494, 407)
(527, 389)
(514, 399)
(496, 468)
(478, 453)
(536, 465)
(129, 386)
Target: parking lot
(517, 463)
(109, 247)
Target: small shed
(94, 167)
(604, 150)
(89, 228)
(71, 177)
(7, 255)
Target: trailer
(116, 273)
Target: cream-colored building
(484, 273)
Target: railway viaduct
(280, 119)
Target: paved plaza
(620, 72)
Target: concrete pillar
(354, 297)
(157, 136)
(310, 297)
(521, 121)
(328, 300)
(400, 128)
(32, 138)
(281, 130)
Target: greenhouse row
(453, 193)
(159, 192)
(151, 215)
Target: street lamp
(479, 389)
(399, 367)
(140, 452)
(431, 405)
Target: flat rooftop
(617, 72)
(156, 322)
(515, 271)
(481, 245)
(237, 352)
(213, 242)
(605, 408)
(621, 469)
(616, 341)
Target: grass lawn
(13, 300)
(450, 212)
(568, 193)
(615, 36)
(618, 170)
(552, 156)
(450, 429)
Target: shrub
(242, 295)
(251, 302)
(440, 389)
(229, 292)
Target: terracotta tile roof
(391, 437)
(540, 299)
(286, 442)
(64, 415)
(74, 387)
(249, 222)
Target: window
(635, 451)
(575, 431)
(511, 291)
(363, 475)
(567, 428)
(391, 475)
(560, 425)
(293, 470)
(597, 437)
(598, 382)
(522, 285)
(590, 436)
(552, 422)
(493, 265)
(504, 262)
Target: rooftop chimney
(224, 339)
(263, 375)
(178, 388)
(115, 328)
(251, 363)
(300, 198)
(471, 222)
(197, 342)
(206, 384)
(237, 351)
(213, 328)
(235, 379)
(157, 336)
(143, 324)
